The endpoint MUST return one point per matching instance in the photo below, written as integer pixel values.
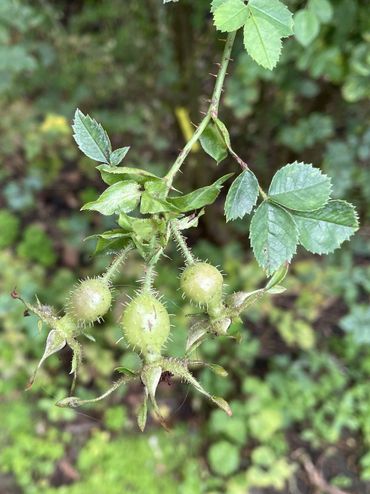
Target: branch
(315, 475)
(211, 113)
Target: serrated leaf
(215, 4)
(230, 15)
(262, 41)
(322, 9)
(200, 197)
(324, 230)
(242, 196)
(213, 143)
(91, 138)
(277, 14)
(306, 26)
(117, 156)
(300, 187)
(142, 415)
(112, 174)
(273, 235)
(121, 197)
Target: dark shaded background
(298, 382)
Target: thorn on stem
(14, 294)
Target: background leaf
(306, 26)
(242, 196)
(273, 236)
(91, 138)
(324, 230)
(300, 187)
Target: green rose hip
(146, 324)
(202, 283)
(90, 301)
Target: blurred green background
(299, 382)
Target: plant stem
(180, 240)
(111, 271)
(211, 113)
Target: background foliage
(300, 379)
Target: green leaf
(112, 245)
(276, 13)
(300, 187)
(216, 3)
(91, 138)
(145, 229)
(324, 230)
(322, 9)
(151, 205)
(122, 197)
(273, 236)
(242, 196)
(306, 26)
(230, 15)
(357, 322)
(55, 342)
(200, 197)
(112, 174)
(224, 458)
(126, 371)
(278, 277)
(262, 41)
(213, 142)
(117, 156)
(223, 129)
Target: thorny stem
(111, 271)
(211, 113)
(180, 240)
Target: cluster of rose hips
(145, 325)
